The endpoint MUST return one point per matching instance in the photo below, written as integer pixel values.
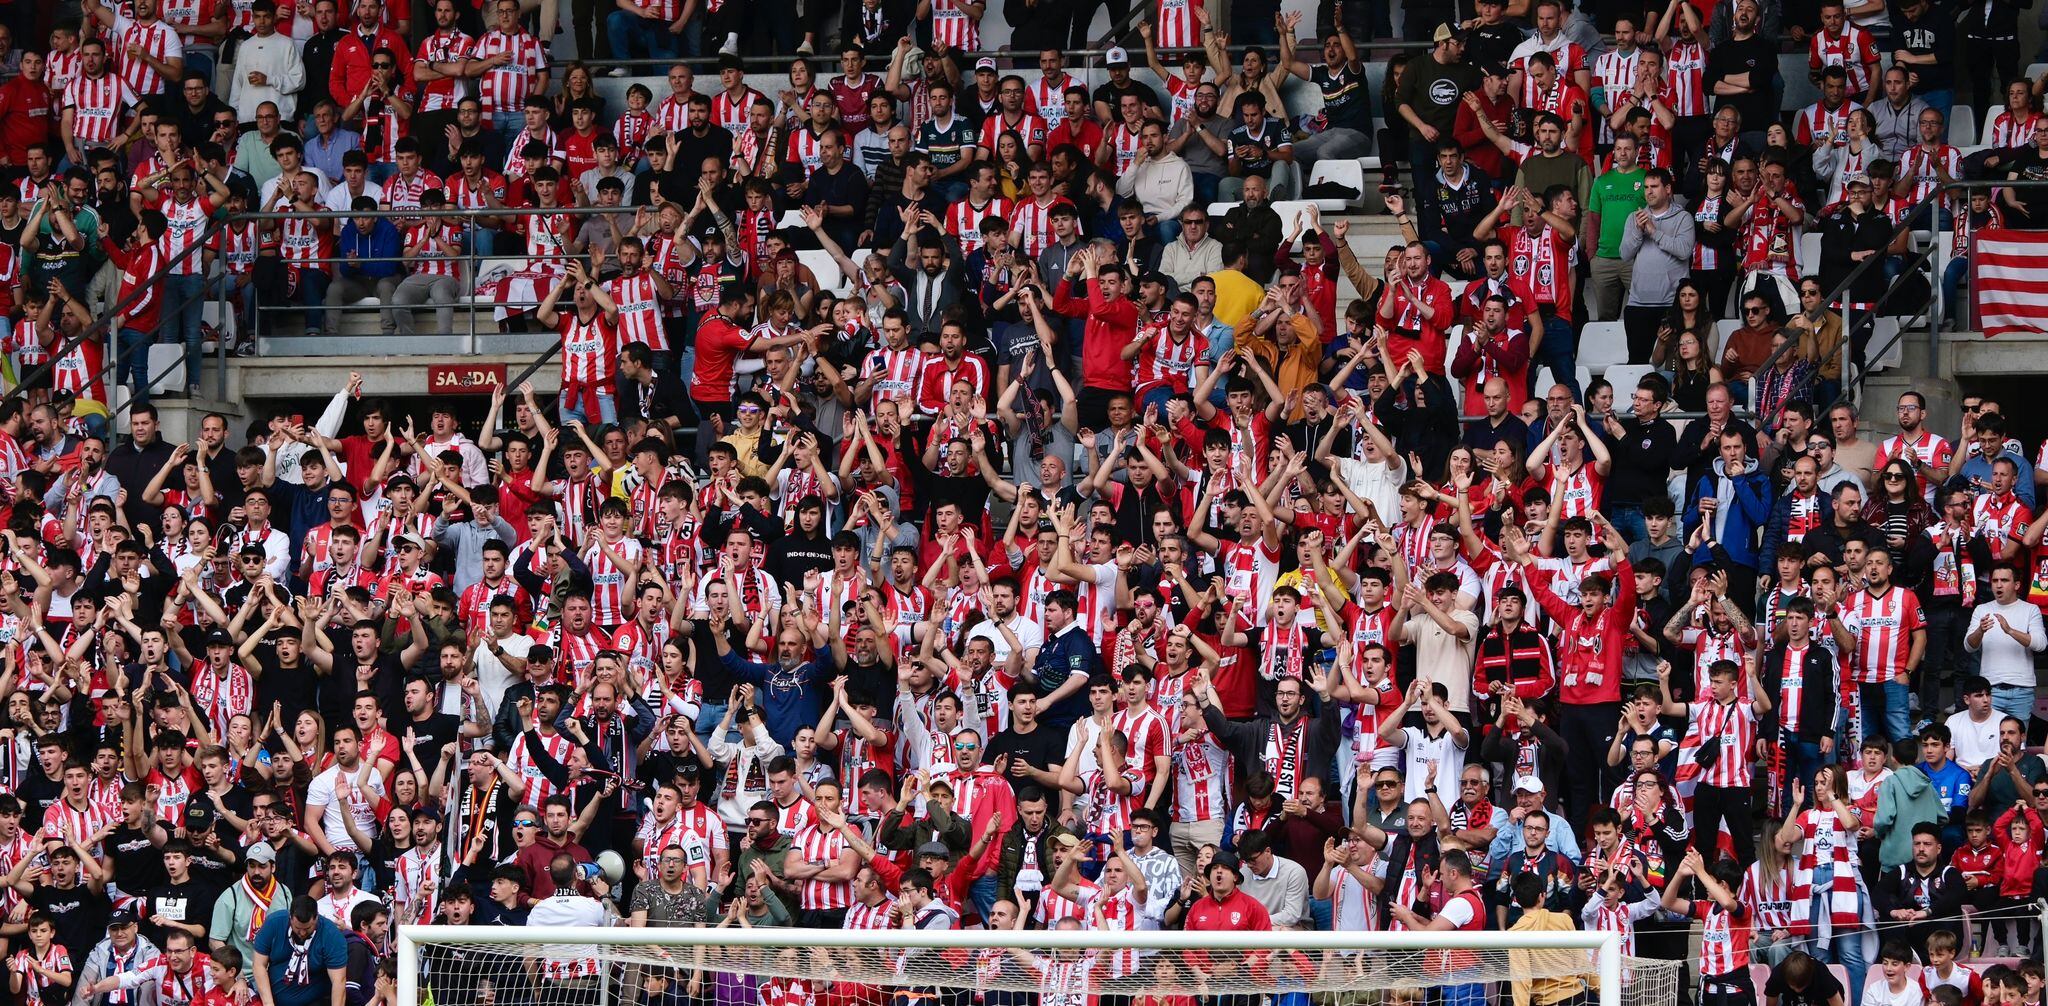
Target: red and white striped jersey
(820, 847)
(1201, 780)
(608, 581)
(1166, 361)
(1818, 122)
(30, 189)
(964, 220)
(60, 69)
(25, 344)
(805, 151)
(1685, 71)
(631, 133)
(1174, 26)
(590, 350)
(1570, 59)
(220, 699)
(96, 104)
(538, 787)
(449, 45)
(1180, 97)
(881, 915)
(1109, 812)
(305, 242)
(237, 246)
(55, 960)
(672, 114)
(1145, 730)
(467, 195)
(2008, 132)
(155, 38)
(1883, 627)
(1124, 144)
(639, 310)
(1853, 50)
(793, 819)
(515, 165)
(187, 221)
(1030, 127)
(1048, 98)
(504, 88)
(62, 818)
(1932, 450)
(951, 24)
(730, 111)
(416, 886)
(898, 370)
(1724, 939)
(1031, 225)
(435, 246)
(1921, 164)
(78, 370)
(185, 15)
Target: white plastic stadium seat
(825, 267)
(1343, 171)
(223, 322)
(1962, 125)
(1625, 377)
(790, 218)
(1888, 357)
(1722, 330)
(166, 363)
(1288, 209)
(1809, 252)
(1602, 344)
(1218, 209)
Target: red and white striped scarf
(1843, 906)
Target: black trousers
(1713, 804)
(1585, 728)
(1641, 324)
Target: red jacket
(142, 271)
(351, 70)
(1592, 651)
(28, 115)
(1111, 325)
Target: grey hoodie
(1661, 258)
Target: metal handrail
(102, 325)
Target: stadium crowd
(1085, 567)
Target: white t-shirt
(1418, 750)
(358, 793)
(1975, 743)
(1028, 634)
(1879, 993)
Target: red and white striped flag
(2010, 280)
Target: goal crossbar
(1604, 946)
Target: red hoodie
(1111, 325)
(1590, 658)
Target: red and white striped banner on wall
(2009, 281)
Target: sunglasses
(1756, 310)
(525, 824)
(1895, 477)
(1387, 783)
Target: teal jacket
(1905, 800)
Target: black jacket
(1246, 741)
(1842, 234)
(1817, 704)
(1642, 459)
(1939, 894)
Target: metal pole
(1065, 939)
(474, 268)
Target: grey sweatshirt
(1662, 259)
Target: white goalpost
(552, 966)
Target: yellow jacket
(1546, 991)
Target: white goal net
(493, 966)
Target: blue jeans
(2013, 700)
(1942, 101)
(607, 411)
(1803, 759)
(1205, 189)
(1844, 948)
(952, 190)
(382, 171)
(709, 714)
(1898, 710)
(982, 894)
(1952, 308)
(1628, 519)
(313, 294)
(509, 123)
(182, 297)
(1559, 352)
(1319, 913)
(636, 37)
(133, 369)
